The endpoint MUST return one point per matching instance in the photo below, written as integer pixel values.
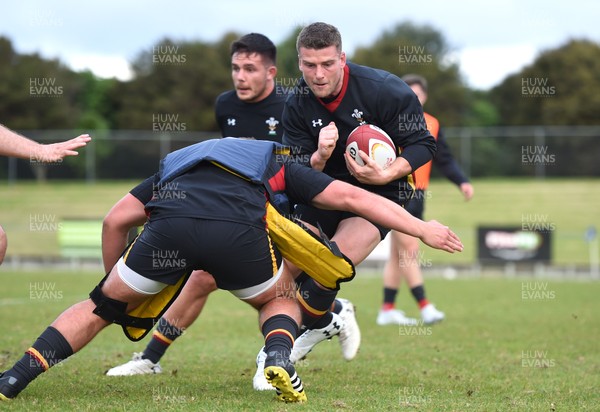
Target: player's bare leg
(400, 262)
(407, 267)
(411, 271)
(71, 331)
(180, 315)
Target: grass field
(506, 345)
(567, 207)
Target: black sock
(389, 297)
(336, 307)
(418, 293)
(280, 332)
(49, 349)
(302, 277)
(315, 303)
(162, 338)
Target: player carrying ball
(341, 96)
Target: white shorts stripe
(253, 291)
(136, 281)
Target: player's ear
(272, 72)
(343, 58)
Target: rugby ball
(374, 142)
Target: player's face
(252, 77)
(323, 70)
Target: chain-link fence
(540, 151)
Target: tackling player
(252, 109)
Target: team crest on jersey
(272, 123)
(358, 115)
(230, 121)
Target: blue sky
(490, 39)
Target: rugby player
(341, 96)
(404, 250)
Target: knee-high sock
(162, 338)
(315, 303)
(280, 332)
(50, 348)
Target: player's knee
(408, 247)
(110, 310)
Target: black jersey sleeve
(295, 135)
(303, 183)
(144, 191)
(446, 163)
(402, 114)
(219, 116)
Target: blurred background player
(404, 250)
(13, 144)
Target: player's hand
(56, 151)
(467, 190)
(371, 173)
(328, 137)
(441, 237)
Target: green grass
(568, 206)
(476, 360)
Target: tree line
(180, 80)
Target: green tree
(43, 99)
(180, 79)
(559, 88)
(287, 58)
(409, 48)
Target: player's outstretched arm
(14, 145)
(343, 196)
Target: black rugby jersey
(209, 192)
(368, 96)
(260, 120)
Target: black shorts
(329, 219)
(416, 205)
(238, 256)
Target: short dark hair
(319, 36)
(411, 79)
(256, 43)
